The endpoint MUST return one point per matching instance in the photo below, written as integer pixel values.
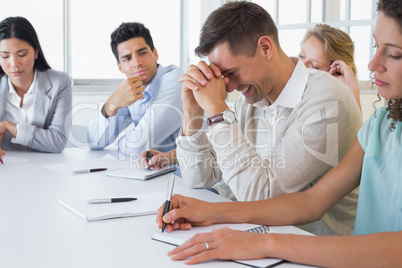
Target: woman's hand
(223, 243)
(2, 153)
(2, 133)
(186, 212)
(344, 73)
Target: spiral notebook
(180, 236)
(146, 204)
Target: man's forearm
(192, 121)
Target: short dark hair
(240, 24)
(127, 31)
(21, 28)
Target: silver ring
(206, 245)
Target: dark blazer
(52, 112)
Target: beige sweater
(253, 160)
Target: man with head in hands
(149, 98)
(287, 129)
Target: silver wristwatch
(228, 116)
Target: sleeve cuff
(223, 136)
(103, 121)
(193, 143)
(24, 134)
(218, 127)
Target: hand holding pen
(148, 153)
(168, 198)
(186, 212)
(158, 160)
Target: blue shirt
(379, 207)
(157, 115)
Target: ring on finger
(206, 245)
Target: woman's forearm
(11, 128)
(374, 250)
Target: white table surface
(36, 231)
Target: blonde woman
(331, 50)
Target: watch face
(229, 116)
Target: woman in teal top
(374, 162)
(380, 201)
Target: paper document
(140, 173)
(107, 161)
(9, 160)
(180, 236)
(146, 204)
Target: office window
(196, 12)
(46, 16)
(295, 17)
(287, 14)
(92, 22)
(194, 27)
(175, 27)
(316, 10)
(362, 9)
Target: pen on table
(111, 200)
(168, 197)
(148, 153)
(89, 170)
(1, 160)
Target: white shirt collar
(293, 91)
(31, 89)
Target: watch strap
(215, 119)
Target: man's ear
(156, 54)
(266, 46)
(119, 66)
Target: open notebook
(180, 236)
(146, 204)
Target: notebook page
(107, 161)
(140, 173)
(180, 236)
(146, 204)
(9, 160)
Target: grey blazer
(52, 110)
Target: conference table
(36, 231)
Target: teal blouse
(380, 200)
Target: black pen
(111, 200)
(81, 171)
(148, 153)
(168, 197)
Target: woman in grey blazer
(35, 101)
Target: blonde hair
(337, 44)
